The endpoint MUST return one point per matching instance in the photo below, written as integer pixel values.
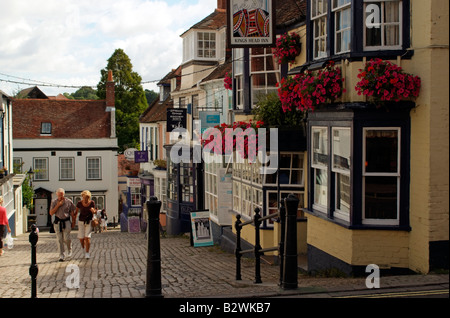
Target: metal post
(153, 286)
(257, 247)
(33, 238)
(238, 249)
(290, 280)
(282, 238)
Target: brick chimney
(110, 102)
(222, 4)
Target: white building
(10, 186)
(69, 144)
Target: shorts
(84, 230)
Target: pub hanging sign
(251, 23)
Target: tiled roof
(290, 11)
(214, 21)
(157, 111)
(69, 118)
(219, 72)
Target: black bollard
(282, 238)
(290, 272)
(153, 286)
(257, 223)
(34, 267)
(238, 249)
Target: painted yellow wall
(359, 247)
(429, 130)
(429, 187)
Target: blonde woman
(4, 224)
(87, 209)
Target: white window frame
(88, 168)
(263, 89)
(319, 11)
(396, 174)
(339, 9)
(70, 171)
(40, 172)
(383, 24)
(204, 49)
(321, 167)
(344, 215)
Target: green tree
(151, 95)
(84, 93)
(130, 100)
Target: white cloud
(68, 42)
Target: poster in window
(251, 23)
(201, 228)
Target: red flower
(385, 81)
(287, 48)
(228, 81)
(306, 90)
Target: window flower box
(310, 89)
(382, 82)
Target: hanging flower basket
(288, 47)
(383, 81)
(228, 81)
(310, 89)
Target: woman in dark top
(87, 209)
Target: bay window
(359, 170)
(356, 28)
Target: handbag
(9, 241)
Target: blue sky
(68, 42)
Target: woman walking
(3, 224)
(87, 209)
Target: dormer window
(206, 43)
(46, 128)
(205, 46)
